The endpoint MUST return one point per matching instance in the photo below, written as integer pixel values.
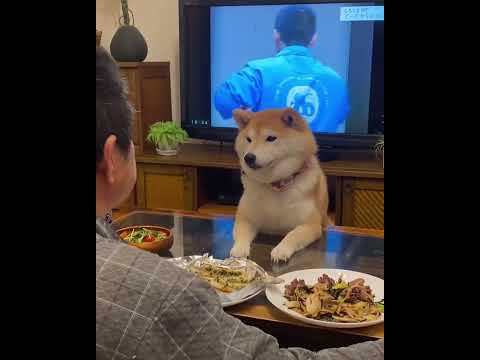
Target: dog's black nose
(250, 159)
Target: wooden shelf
(197, 155)
(215, 209)
(212, 208)
(215, 156)
(192, 181)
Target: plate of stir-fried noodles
(330, 297)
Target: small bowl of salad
(150, 238)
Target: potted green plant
(166, 136)
(379, 149)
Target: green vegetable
(380, 305)
(340, 285)
(137, 235)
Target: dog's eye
(248, 139)
(271, 138)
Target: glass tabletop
(338, 249)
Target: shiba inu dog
(285, 190)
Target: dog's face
(272, 144)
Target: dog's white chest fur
(279, 212)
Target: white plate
(275, 293)
(239, 301)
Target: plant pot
(128, 44)
(380, 153)
(165, 151)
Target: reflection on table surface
(197, 236)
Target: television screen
(324, 60)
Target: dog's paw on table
(281, 252)
(240, 251)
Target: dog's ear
(242, 117)
(292, 119)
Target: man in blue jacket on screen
(293, 78)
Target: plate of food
(330, 297)
(150, 238)
(235, 280)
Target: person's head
(115, 155)
(295, 25)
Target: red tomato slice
(148, 238)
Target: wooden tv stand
(186, 181)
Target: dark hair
(114, 112)
(296, 24)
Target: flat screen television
(323, 58)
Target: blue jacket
(293, 78)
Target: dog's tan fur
(300, 211)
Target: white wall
(158, 22)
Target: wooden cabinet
(148, 86)
(362, 202)
(149, 92)
(166, 187)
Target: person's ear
(313, 42)
(109, 158)
(242, 117)
(277, 40)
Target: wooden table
(343, 248)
